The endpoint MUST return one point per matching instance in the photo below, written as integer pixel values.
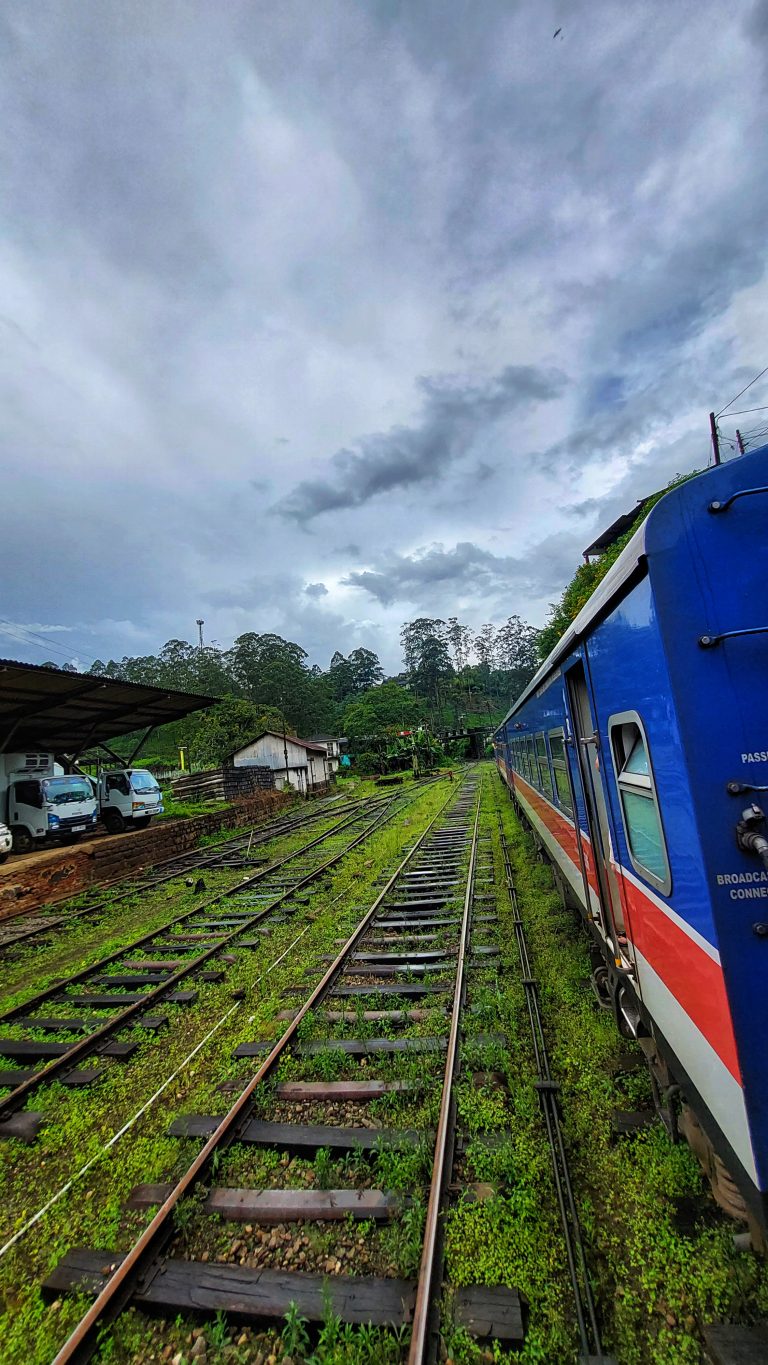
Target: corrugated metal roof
(58, 711)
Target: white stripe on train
(719, 1090)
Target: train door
(597, 857)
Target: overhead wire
(741, 391)
(741, 411)
(15, 631)
(171, 681)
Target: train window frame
(561, 765)
(543, 765)
(637, 784)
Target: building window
(545, 777)
(560, 769)
(639, 802)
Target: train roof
(629, 565)
(620, 573)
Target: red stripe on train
(695, 980)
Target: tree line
(453, 678)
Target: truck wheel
(142, 822)
(22, 840)
(113, 821)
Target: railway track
(389, 1009)
(235, 854)
(341, 1157)
(550, 1101)
(118, 992)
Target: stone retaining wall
(36, 880)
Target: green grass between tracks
(656, 1284)
(79, 1123)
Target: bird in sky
(557, 30)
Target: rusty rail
(93, 1041)
(431, 1260)
(144, 1258)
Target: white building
(300, 763)
(333, 749)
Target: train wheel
(724, 1187)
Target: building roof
(62, 712)
(277, 734)
(617, 528)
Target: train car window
(520, 765)
(560, 769)
(530, 760)
(639, 801)
(545, 777)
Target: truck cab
(128, 798)
(38, 804)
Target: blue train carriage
(639, 755)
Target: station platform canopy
(53, 710)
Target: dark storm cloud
(453, 415)
(467, 569)
(232, 237)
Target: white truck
(38, 804)
(6, 842)
(128, 798)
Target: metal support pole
(715, 437)
(740, 441)
(285, 751)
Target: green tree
(214, 734)
(426, 656)
(459, 638)
(587, 576)
(382, 711)
(340, 677)
(366, 670)
(484, 645)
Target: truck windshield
(143, 782)
(61, 791)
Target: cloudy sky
(316, 317)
